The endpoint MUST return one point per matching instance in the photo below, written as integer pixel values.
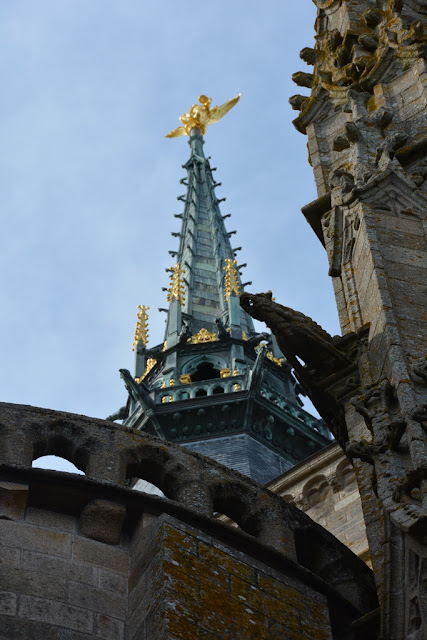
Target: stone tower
(366, 125)
(215, 384)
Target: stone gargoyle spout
(301, 340)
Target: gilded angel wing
(216, 113)
(179, 131)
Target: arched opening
(205, 371)
(218, 390)
(147, 487)
(56, 463)
(345, 473)
(201, 392)
(316, 490)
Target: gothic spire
(205, 282)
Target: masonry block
(102, 520)
(13, 500)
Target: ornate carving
(176, 287)
(185, 335)
(231, 282)
(200, 116)
(255, 340)
(222, 332)
(149, 365)
(299, 337)
(399, 480)
(271, 357)
(141, 331)
(204, 336)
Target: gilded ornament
(141, 331)
(200, 116)
(236, 387)
(150, 364)
(225, 373)
(165, 345)
(277, 361)
(204, 336)
(176, 287)
(167, 399)
(185, 378)
(231, 283)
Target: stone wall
(87, 557)
(324, 486)
(58, 585)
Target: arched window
(201, 392)
(218, 390)
(205, 371)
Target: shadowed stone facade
(324, 487)
(87, 557)
(366, 125)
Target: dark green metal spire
(213, 386)
(204, 252)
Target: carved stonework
(365, 121)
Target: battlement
(88, 554)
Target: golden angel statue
(200, 116)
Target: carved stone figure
(299, 337)
(185, 334)
(259, 337)
(222, 332)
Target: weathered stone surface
(13, 500)
(368, 118)
(187, 573)
(97, 554)
(102, 520)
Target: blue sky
(89, 183)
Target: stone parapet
(88, 557)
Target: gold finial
(200, 116)
(231, 279)
(176, 288)
(141, 331)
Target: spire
(206, 386)
(207, 276)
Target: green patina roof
(204, 245)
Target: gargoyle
(138, 391)
(257, 338)
(121, 414)
(185, 334)
(299, 337)
(221, 331)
